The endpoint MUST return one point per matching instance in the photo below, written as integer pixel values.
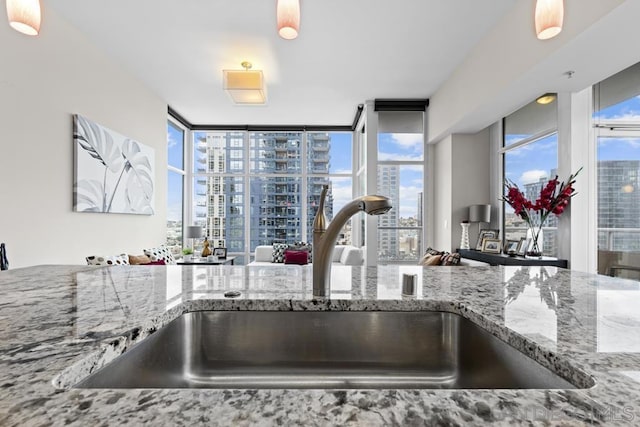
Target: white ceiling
(348, 51)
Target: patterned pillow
(160, 253)
(122, 259)
(278, 252)
(450, 259)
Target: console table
(203, 261)
(502, 259)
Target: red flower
(554, 198)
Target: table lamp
(480, 213)
(194, 232)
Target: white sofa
(342, 254)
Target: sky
(523, 165)
(529, 163)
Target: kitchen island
(60, 323)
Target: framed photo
(492, 246)
(221, 253)
(486, 234)
(511, 245)
(523, 246)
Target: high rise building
(618, 204)
(275, 186)
(389, 185)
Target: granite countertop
(58, 323)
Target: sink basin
(259, 349)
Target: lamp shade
(549, 17)
(194, 232)
(288, 14)
(24, 16)
(480, 213)
(244, 86)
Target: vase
(534, 233)
(464, 240)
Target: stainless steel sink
(253, 349)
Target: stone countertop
(58, 323)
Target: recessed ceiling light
(547, 98)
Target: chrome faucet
(324, 238)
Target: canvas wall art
(113, 173)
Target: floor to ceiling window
(530, 159)
(175, 185)
(400, 177)
(617, 121)
(258, 188)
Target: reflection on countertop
(55, 318)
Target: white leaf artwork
(113, 174)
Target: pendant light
(24, 16)
(288, 13)
(549, 16)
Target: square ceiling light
(245, 86)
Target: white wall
(510, 67)
(471, 181)
(462, 173)
(43, 81)
(442, 186)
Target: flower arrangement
(554, 199)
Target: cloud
(408, 201)
(341, 191)
(170, 141)
(532, 176)
(408, 140)
(400, 157)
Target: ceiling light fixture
(24, 16)
(549, 16)
(547, 98)
(245, 86)
(288, 12)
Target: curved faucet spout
(324, 238)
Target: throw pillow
(139, 259)
(302, 246)
(122, 259)
(160, 253)
(296, 257)
(451, 259)
(429, 259)
(159, 262)
(278, 252)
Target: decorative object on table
(193, 232)
(113, 174)
(486, 234)
(511, 246)
(464, 240)
(479, 214)
(187, 254)
(523, 245)
(220, 253)
(4, 261)
(554, 199)
(206, 250)
(492, 246)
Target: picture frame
(511, 245)
(220, 253)
(523, 246)
(491, 246)
(486, 234)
